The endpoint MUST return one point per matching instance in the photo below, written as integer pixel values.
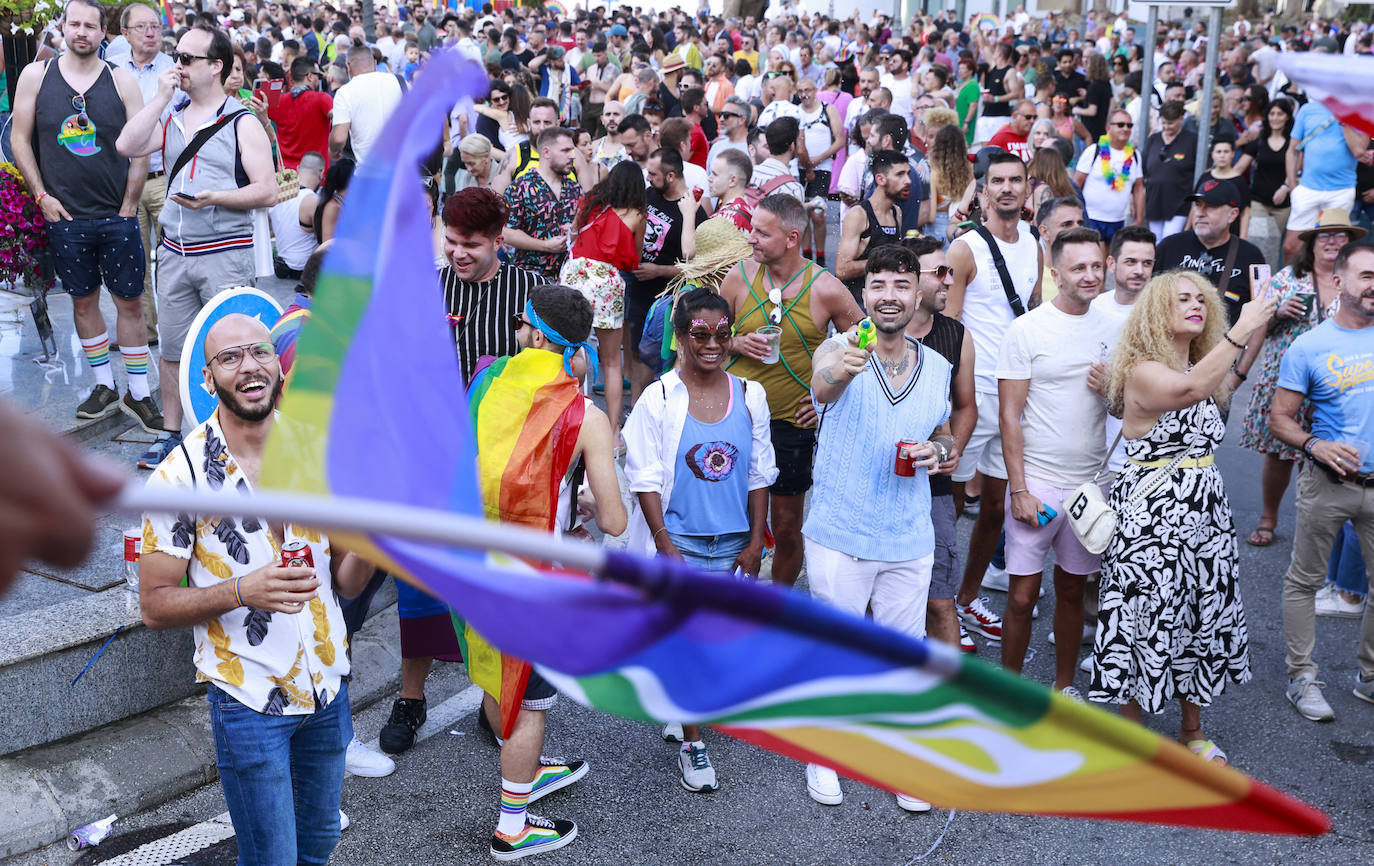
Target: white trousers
(896, 590)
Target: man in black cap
(1209, 247)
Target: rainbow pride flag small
(374, 412)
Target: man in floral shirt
(543, 204)
(269, 640)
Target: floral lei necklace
(1116, 180)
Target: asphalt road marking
(179, 845)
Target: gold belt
(1190, 463)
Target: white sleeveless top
(986, 314)
(294, 244)
(816, 127)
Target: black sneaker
(540, 835)
(398, 734)
(144, 411)
(103, 402)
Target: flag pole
(366, 516)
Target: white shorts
(1170, 226)
(1309, 203)
(984, 450)
(896, 591)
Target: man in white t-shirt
(1131, 263)
(1049, 374)
(898, 81)
(1112, 182)
(362, 106)
(859, 106)
(979, 299)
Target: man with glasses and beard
(263, 631)
(207, 229)
(1111, 174)
(734, 120)
(68, 115)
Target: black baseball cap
(1216, 192)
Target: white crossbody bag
(1092, 519)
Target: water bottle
(133, 548)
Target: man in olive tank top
(68, 114)
(780, 289)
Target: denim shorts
(88, 252)
(1106, 230)
(711, 552)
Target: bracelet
(238, 595)
(1307, 445)
(1022, 490)
(1227, 335)
(657, 531)
(42, 195)
(1238, 374)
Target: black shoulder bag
(198, 141)
(1018, 309)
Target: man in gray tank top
(207, 230)
(67, 115)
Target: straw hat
(1333, 219)
(720, 246)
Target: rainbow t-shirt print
(77, 134)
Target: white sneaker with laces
(995, 579)
(823, 784)
(1330, 602)
(979, 619)
(672, 732)
(1072, 693)
(1305, 694)
(911, 804)
(697, 773)
(362, 761)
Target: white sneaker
(911, 804)
(343, 821)
(1305, 694)
(697, 772)
(672, 732)
(1086, 666)
(1072, 693)
(1089, 634)
(362, 761)
(823, 784)
(996, 579)
(1330, 602)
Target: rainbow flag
(167, 12)
(373, 413)
(518, 406)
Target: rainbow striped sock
(97, 351)
(136, 365)
(515, 796)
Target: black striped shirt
(945, 336)
(482, 314)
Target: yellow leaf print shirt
(274, 663)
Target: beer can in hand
(296, 554)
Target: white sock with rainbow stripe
(515, 796)
(136, 365)
(97, 351)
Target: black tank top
(997, 86)
(945, 336)
(878, 235)
(76, 155)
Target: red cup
(905, 466)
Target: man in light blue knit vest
(869, 538)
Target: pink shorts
(1028, 545)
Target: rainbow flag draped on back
(526, 412)
(372, 412)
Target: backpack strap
(204, 135)
(1018, 308)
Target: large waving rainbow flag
(1343, 83)
(375, 411)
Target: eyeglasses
(232, 357)
(497, 99)
(517, 322)
(701, 336)
(940, 271)
(1327, 237)
(79, 105)
(184, 59)
(150, 27)
(1127, 124)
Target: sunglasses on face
(232, 357)
(702, 336)
(184, 59)
(940, 271)
(1126, 124)
(517, 322)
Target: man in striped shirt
(483, 298)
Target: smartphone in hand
(1259, 281)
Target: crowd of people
(1022, 315)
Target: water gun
(868, 334)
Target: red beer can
(296, 554)
(905, 466)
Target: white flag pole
(367, 516)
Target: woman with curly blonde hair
(1171, 625)
(951, 179)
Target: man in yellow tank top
(779, 288)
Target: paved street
(440, 805)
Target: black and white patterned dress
(1171, 624)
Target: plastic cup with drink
(773, 334)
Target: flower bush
(29, 17)
(22, 234)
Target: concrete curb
(143, 761)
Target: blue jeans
(711, 552)
(1346, 570)
(282, 777)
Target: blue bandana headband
(569, 349)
